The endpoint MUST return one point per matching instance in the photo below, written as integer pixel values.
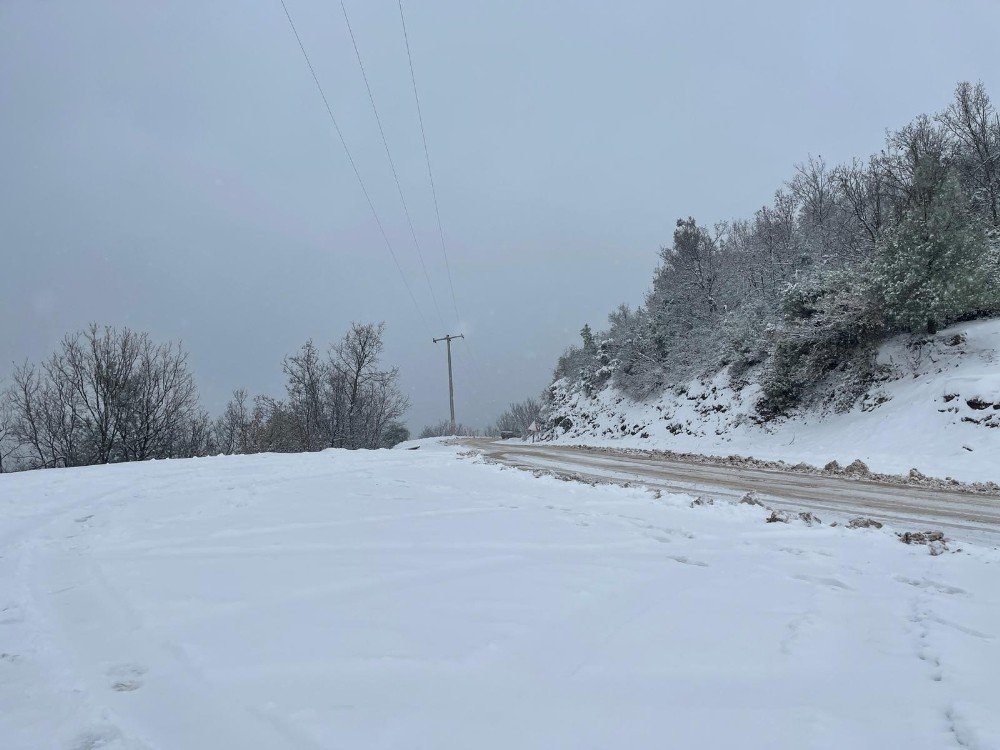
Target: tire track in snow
(964, 515)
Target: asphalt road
(961, 515)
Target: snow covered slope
(938, 410)
(415, 599)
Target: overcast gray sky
(169, 165)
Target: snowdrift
(937, 409)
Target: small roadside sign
(533, 428)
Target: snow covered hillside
(937, 409)
(419, 599)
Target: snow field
(419, 599)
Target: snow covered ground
(939, 412)
(418, 599)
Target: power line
(354, 166)
(427, 158)
(430, 177)
(392, 165)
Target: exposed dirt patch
(863, 523)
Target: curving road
(961, 515)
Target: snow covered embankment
(938, 410)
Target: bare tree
(346, 400)
(369, 396)
(305, 384)
(383, 407)
(518, 417)
(193, 436)
(105, 395)
(863, 188)
(916, 167)
(975, 124)
(46, 418)
(826, 222)
(159, 411)
(97, 368)
(233, 428)
(9, 441)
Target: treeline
(515, 419)
(344, 398)
(802, 292)
(104, 396)
(108, 395)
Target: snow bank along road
(417, 599)
(961, 515)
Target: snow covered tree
(829, 321)
(806, 287)
(639, 371)
(938, 264)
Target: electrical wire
(392, 164)
(354, 166)
(427, 158)
(430, 177)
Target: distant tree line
(108, 395)
(803, 291)
(343, 399)
(446, 428)
(105, 395)
(516, 419)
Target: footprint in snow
(126, 677)
(794, 629)
(926, 583)
(960, 628)
(11, 614)
(687, 561)
(97, 737)
(831, 582)
(932, 659)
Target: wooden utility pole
(451, 384)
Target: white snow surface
(421, 599)
(938, 410)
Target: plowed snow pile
(937, 409)
(416, 599)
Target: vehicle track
(961, 515)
